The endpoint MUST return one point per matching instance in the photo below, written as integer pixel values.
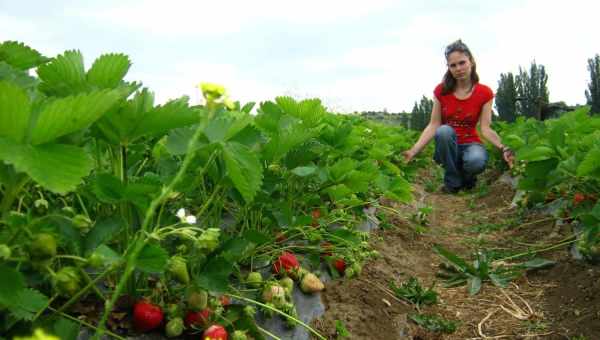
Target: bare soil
(562, 302)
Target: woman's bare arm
(428, 133)
(485, 122)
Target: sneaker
(469, 186)
(469, 183)
(448, 190)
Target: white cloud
(400, 64)
(198, 18)
(29, 31)
(183, 78)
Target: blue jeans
(462, 162)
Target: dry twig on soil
(515, 310)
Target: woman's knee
(475, 160)
(445, 132)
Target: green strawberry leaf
(15, 110)
(12, 282)
(101, 232)
(152, 259)
(244, 169)
(108, 70)
(214, 276)
(28, 303)
(64, 75)
(66, 329)
(57, 167)
(71, 114)
(20, 56)
(590, 164)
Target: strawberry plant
(482, 268)
(413, 292)
(434, 323)
(559, 157)
(99, 184)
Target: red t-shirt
(463, 114)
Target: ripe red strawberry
(326, 249)
(578, 198)
(280, 237)
(316, 214)
(215, 332)
(146, 316)
(198, 319)
(340, 265)
(287, 263)
(550, 197)
(224, 300)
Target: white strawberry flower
(181, 214)
(184, 217)
(191, 219)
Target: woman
(460, 102)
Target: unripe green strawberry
(274, 167)
(82, 222)
(268, 312)
(5, 252)
(197, 300)
(290, 309)
(96, 260)
(43, 246)
(209, 240)
(254, 279)
(250, 311)
(178, 269)
(67, 281)
(374, 254)
(274, 294)
(174, 327)
(288, 284)
(41, 205)
(349, 272)
(357, 268)
(239, 335)
(173, 310)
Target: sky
(354, 55)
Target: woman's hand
(508, 155)
(408, 155)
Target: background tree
(593, 92)
(425, 106)
(414, 117)
(421, 113)
(506, 97)
(532, 90)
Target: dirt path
(564, 299)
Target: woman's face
(459, 65)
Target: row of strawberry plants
(558, 161)
(106, 195)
